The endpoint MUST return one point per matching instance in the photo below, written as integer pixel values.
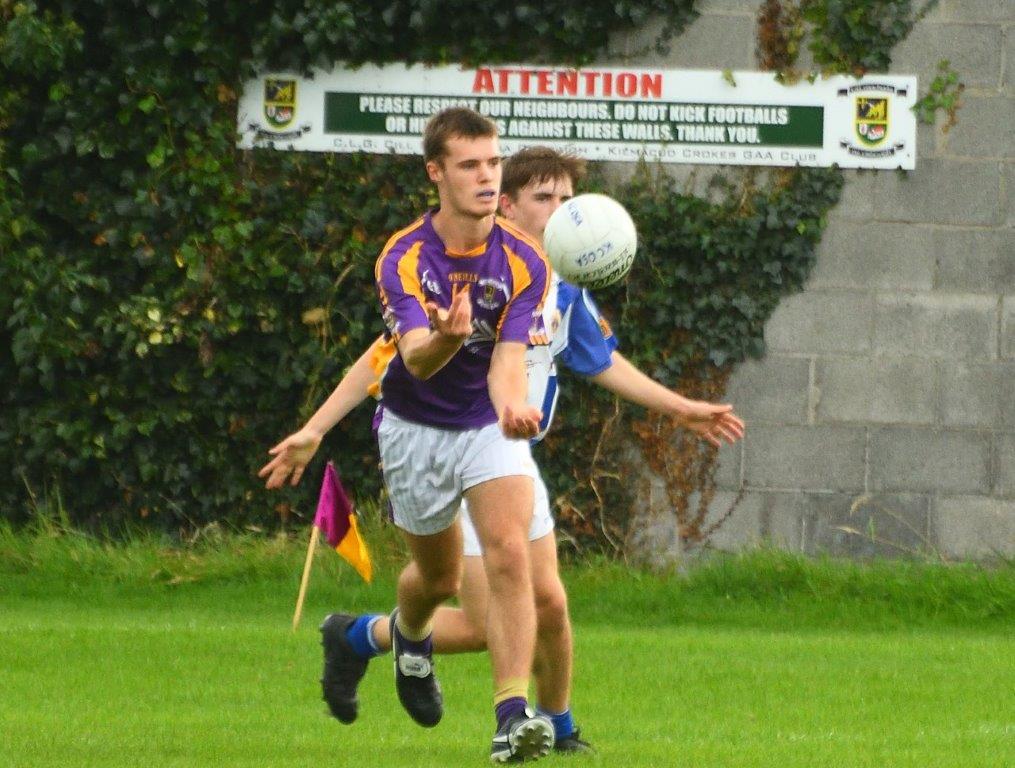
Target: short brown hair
(537, 164)
(450, 123)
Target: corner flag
(337, 521)
(336, 518)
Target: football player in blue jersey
(536, 181)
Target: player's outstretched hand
(521, 424)
(456, 320)
(291, 457)
(714, 423)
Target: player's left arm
(711, 421)
(520, 323)
(509, 388)
(291, 456)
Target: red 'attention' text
(568, 82)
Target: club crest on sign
(871, 120)
(279, 102)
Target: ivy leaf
(157, 157)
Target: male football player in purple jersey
(536, 182)
(462, 296)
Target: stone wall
(882, 419)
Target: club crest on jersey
(492, 293)
(871, 120)
(279, 102)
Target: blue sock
(360, 636)
(563, 723)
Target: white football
(590, 241)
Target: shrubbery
(171, 305)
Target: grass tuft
(760, 588)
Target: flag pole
(306, 576)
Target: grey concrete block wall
(974, 50)
(988, 128)
(971, 260)
(881, 422)
(1004, 452)
(974, 527)
(865, 526)
(988, 11)
(1009, 188)
(776, 391)
(940, 325)
(903, 259)
(978, 395)
(811, 522)
(883, 390)
(1008, 78)
(822, 322)
(1008, 328)
(929, 460)
(819, 457)
(944, 190)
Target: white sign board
(674, 116)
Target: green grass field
(139, 655)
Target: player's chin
(484, 207)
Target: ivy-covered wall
(880, 421)
(172, 305)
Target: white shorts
(542, 521)
(427, 469)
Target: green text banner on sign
(676, 116)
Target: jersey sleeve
(400, 290)
(590, 340)
(522, 320)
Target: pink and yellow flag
(337, 521)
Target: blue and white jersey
(580, 339)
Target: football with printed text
(591, 241)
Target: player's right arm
(427, 336)
(291, 456)
(711, 421)
(425, 351)
(592, 352)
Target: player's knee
(551, 608)
(476, 637)
(446, 585)
(443, 584)
(506, 560)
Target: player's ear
(434, 170)
(507, 205)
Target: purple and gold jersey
(508, 277)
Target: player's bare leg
(552, 669)
(455, 630)
(461, 630)
(553, 658)
(432, 576)
(501, 511)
